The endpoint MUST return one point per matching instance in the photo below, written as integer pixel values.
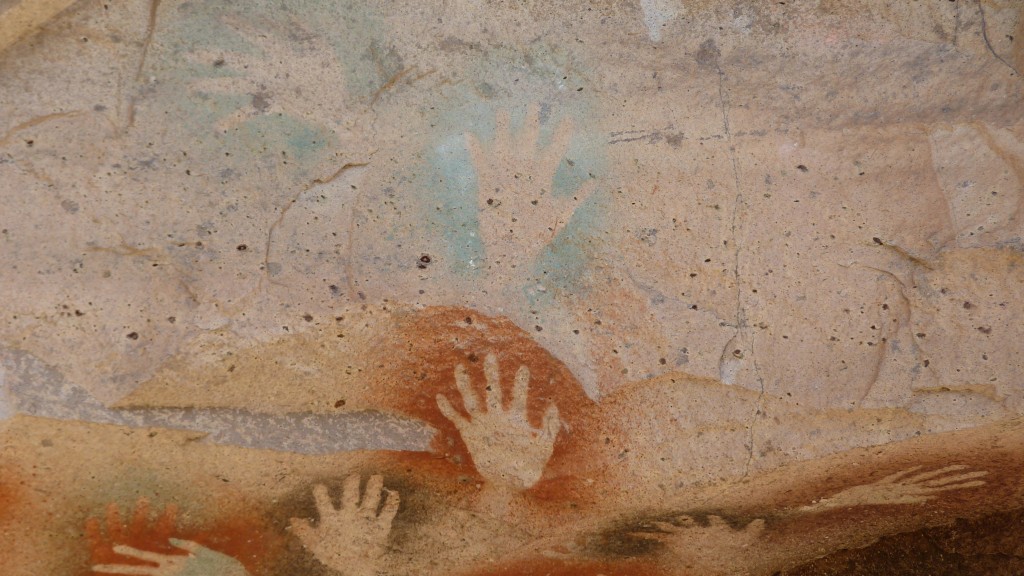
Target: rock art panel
(660, 287)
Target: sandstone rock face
(486, 287)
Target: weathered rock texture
(589, 287)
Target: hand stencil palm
(505, 448)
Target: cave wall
(589, 287)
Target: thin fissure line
(984, 35)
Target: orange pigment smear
(246, 537)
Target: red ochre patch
(246, 537)
(11, 496)
(418, 361)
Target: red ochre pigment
(246, 537)
(419, 358)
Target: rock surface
(246, 250)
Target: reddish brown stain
(417, 360)
(15, 515)
(550, 567)
(142, 530)
(10, 496)
(247, 538)
(801, 537)
(989, 546)
(418, 363)
(243, 535)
